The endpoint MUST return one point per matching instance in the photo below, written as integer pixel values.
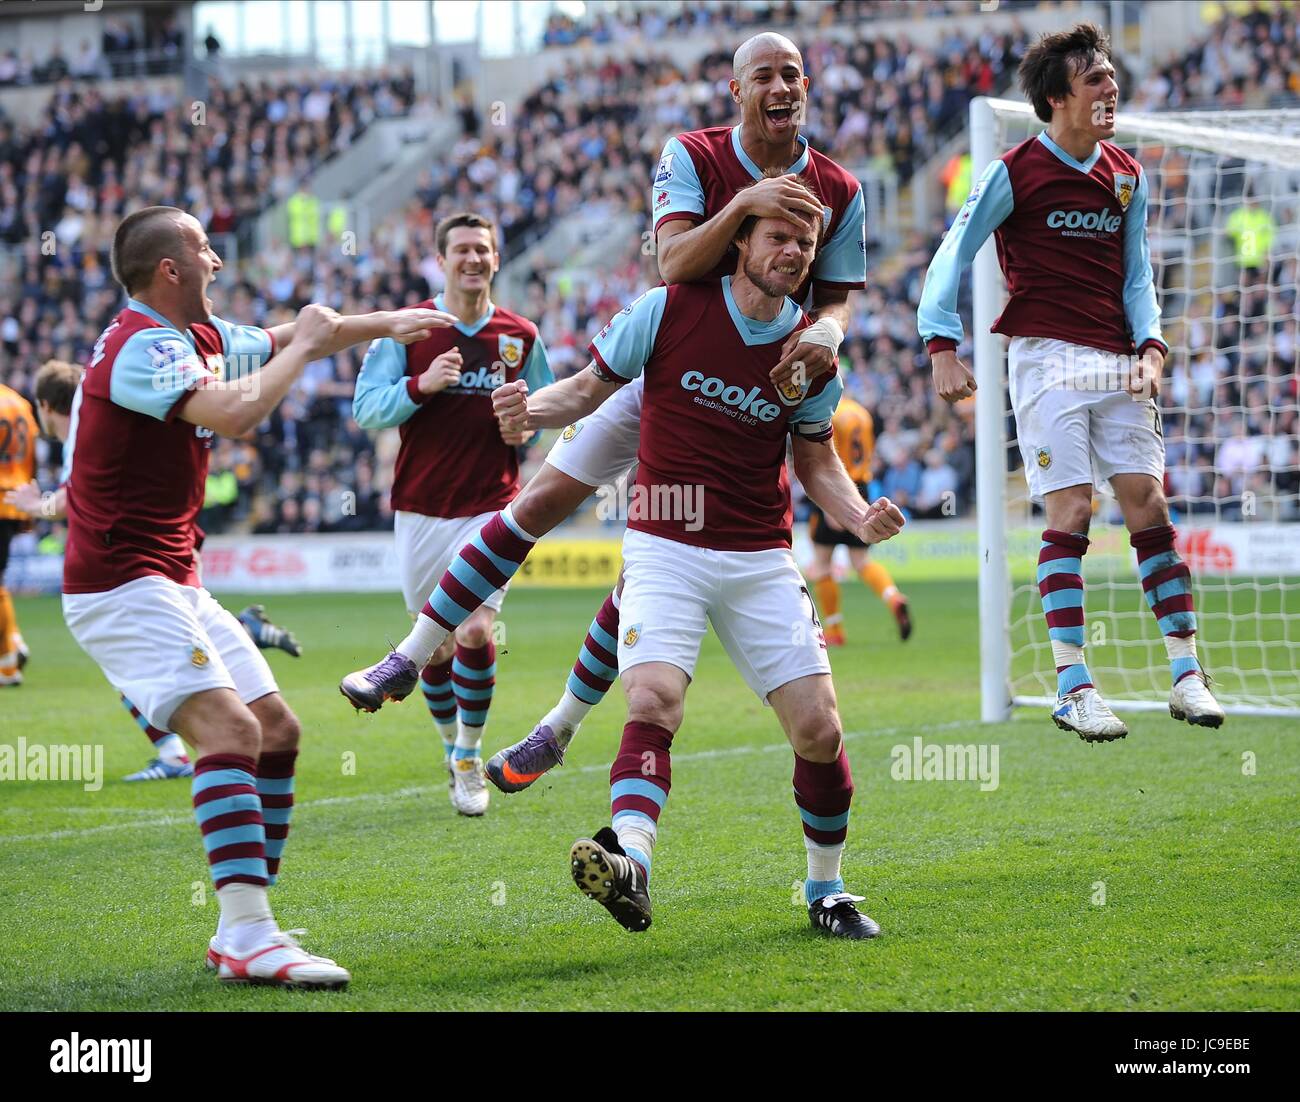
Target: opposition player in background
(1069, 212)
(165, 377)
(713, 419)
(17, 466)
(855, 442)
(454, 471)
(707, 183)
(54, 389)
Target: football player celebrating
(164, 378)
(454, 471)
(1069, 212)
(707, 183)
(713, 420)
(855, 440)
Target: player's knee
(280, 728)
(475, 632)
(818, 736)
(654, 703)
(547, 500)
(444, 652)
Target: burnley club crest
(1125, 186)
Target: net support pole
(990, 451)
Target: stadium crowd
(591, 135)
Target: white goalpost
(1224, 226)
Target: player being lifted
(1069, 212)
(17, 466)
(54, 388)
(855, 440)
(454, 471)
(713, 420)
(706, 184)
(164, 378)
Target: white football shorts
(598, 450)
(159, 643)
(757, 602)
(426, 546)
(1075, 422)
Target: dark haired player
(454, 472)
(707, 183)
(1068, 210)
(165, 377)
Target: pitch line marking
(424, 790)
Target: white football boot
(1192, 700)
(213, 960)
(469, 791)
(1087, 715)
(281, 961)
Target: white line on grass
(425, 790)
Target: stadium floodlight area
(1228, 411)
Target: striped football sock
(167, 744)
(639, 782)
(1167, 583)
(482, 567)
(275, 771)
(435, 683)
(1060, 585)
(594, 672)
(229, 814)
(473, 679)
(823, 792)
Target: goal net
(1224, 226)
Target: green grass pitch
(987, 899)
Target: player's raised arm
(403, 326)
(989, 205)
(829, 487)
(234, 408)
(553, 406)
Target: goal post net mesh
(1224, 228)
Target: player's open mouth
(780, 114)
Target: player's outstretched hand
(884, 521)
(316, 328)
(780, 197)
(510, 404)
(442, 373)
(1144, 379)
(416, 324)
(28, 498)
(953, 380)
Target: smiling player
(707, 183)
(1069, 212)
(454, 471)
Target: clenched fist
(442, 373)
(510, 404)
(883, 521)
(316, 329)
(953, 380)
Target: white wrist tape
(825, 332)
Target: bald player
(855, 442)
(1085, 359)
(164, 378)
(706, 184)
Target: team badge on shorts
(198, 657)
(1044, 457)
(570, 432)
(1125, 186)
(632, 635)
(512, 350)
